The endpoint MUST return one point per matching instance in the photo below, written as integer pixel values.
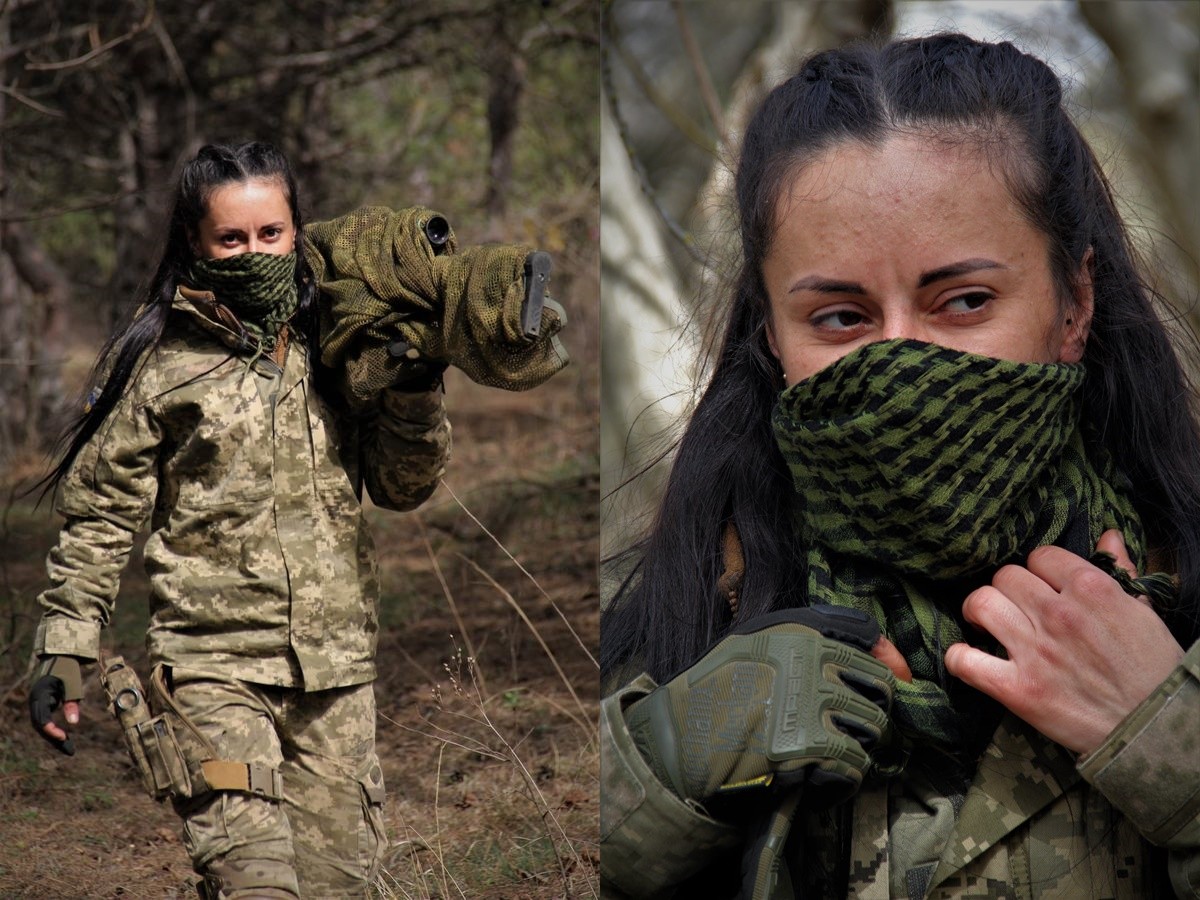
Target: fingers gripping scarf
(919, 472)
(260, 288)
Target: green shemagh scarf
(260, 288)
(920, 471)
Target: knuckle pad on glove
(774, 702)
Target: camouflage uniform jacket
(1035, 823)
(260, 561)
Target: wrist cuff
(1144, 767)
(649, 838)
(59, 635)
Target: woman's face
(911, 239)
(244, 217)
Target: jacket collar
(223, 324)
(1020, 774)
(215, 318)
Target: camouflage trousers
(326, 837)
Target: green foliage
(490, 862)
(84, 238)
(98, 799)
(556, 148)
(421, 137)
(13, 762)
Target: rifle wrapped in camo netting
(398, 296)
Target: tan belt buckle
(264, 780)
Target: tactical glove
(57, 680)
(788, 698)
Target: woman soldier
(913, 614)
(212, 423)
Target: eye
(272, 232)
(229, 240)
(838, 320)
(967, 303)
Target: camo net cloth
(382, 283)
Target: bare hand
(1082, 654)
(70, 713)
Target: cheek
(800, 358)
(812, 360)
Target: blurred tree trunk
(147, 148)
(506, 82)
(799, 31)
(645, 374)
(33, 296)
(8, 281)
(1158, 61)
(37, 337)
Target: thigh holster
(171, 754)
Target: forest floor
(487, 687)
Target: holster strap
(251, 778)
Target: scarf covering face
(260, 288)
(919, 472)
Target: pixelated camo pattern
(382, 283)
(916, 465)
(1028, 828)
(261, 564)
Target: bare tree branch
(30, 102)
(97, 203)
(100, 50)
(12, 51)
(703, 80)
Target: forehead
(908, 190)
(238, 203)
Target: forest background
(486, 111)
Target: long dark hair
(668, 610)
(214, 165)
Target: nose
(902, 325)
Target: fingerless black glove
(57, 680)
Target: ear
(771, 340)
(1078, 323)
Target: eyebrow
(823, 285)
(239, 229)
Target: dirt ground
(491, 766)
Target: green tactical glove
(788, 698)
